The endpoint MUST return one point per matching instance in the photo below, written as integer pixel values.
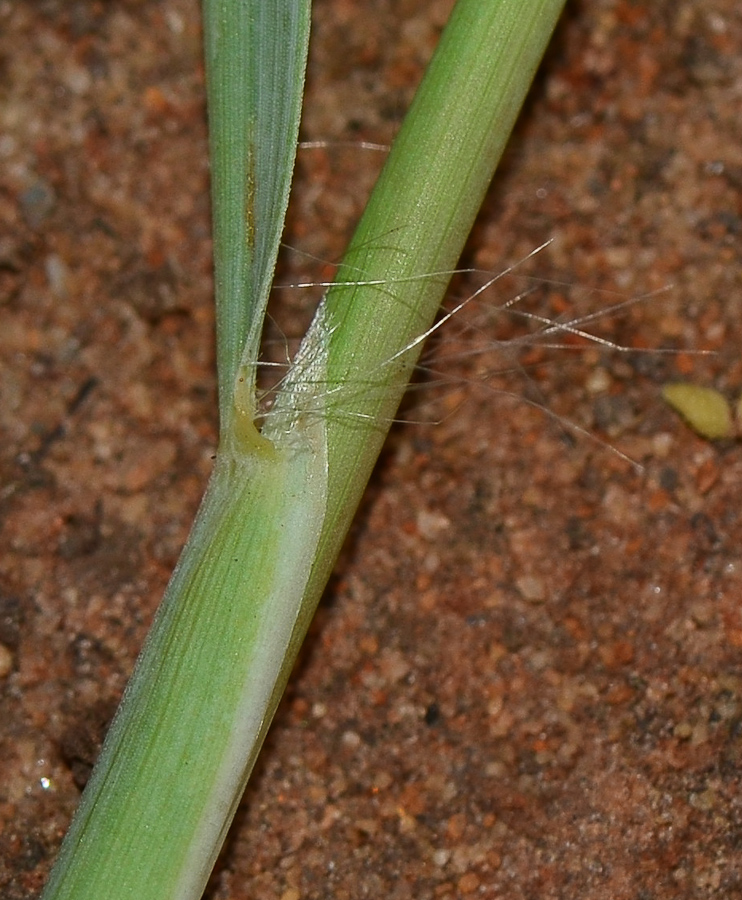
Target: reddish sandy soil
(525, 680)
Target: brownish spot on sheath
(250, 198)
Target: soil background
(525, 679)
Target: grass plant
(284, 489)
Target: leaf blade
(255, 53)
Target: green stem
(416, 223)
(181, 747)
(279, 504)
